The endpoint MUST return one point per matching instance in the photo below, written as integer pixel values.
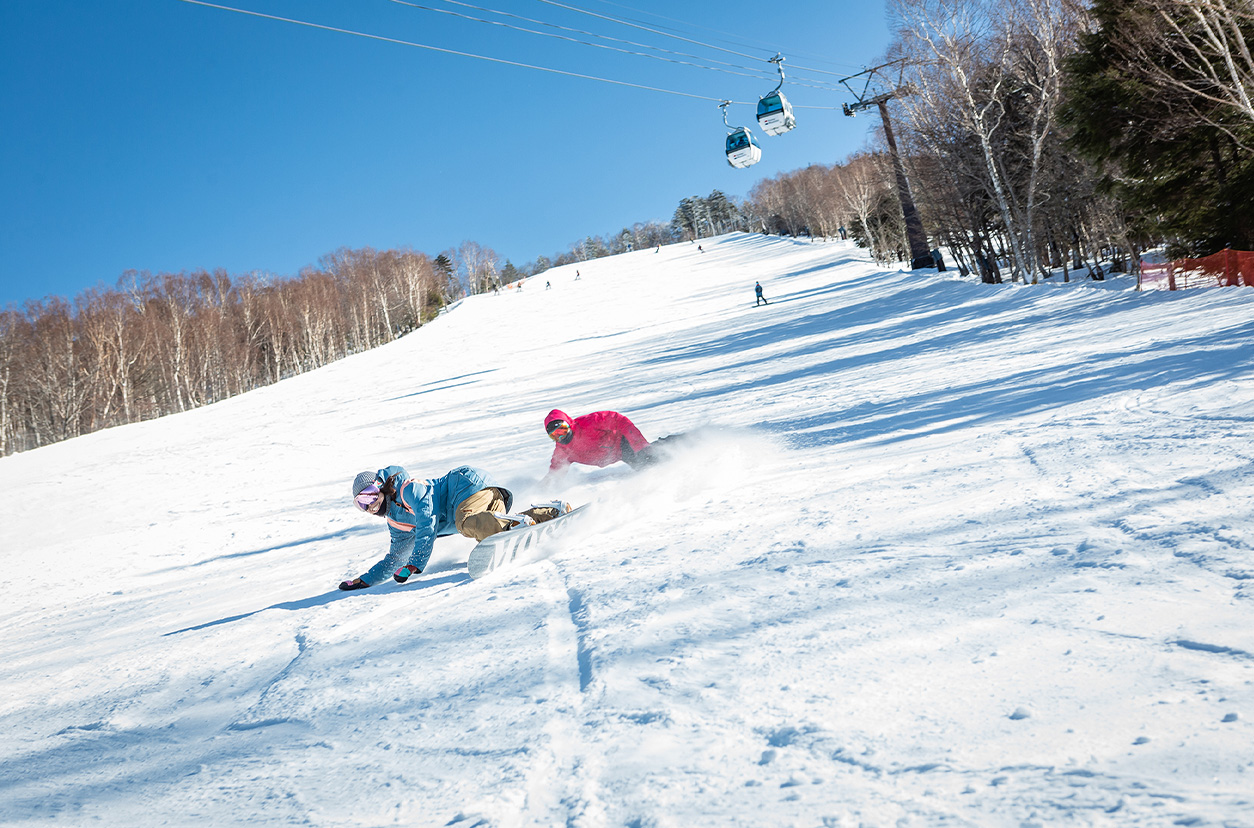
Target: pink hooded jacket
(597, 439)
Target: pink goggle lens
(367, 497)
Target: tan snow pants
(474, 517)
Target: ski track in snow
(937, 553)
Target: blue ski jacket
(419, 511)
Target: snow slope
(941, 553)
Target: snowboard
(525, 544)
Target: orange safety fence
(1225, 268)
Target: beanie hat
(362, 480)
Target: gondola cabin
(775, 114)
(742, 150)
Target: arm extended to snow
(413, 535)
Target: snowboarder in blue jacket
(465, 501)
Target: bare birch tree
(960, 60)
(1198, 51)
(11, 331)
(1045, 31)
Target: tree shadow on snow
(452, 578)
(341, 534)
(442, 385)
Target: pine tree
(724, 215)
(1182, 177)
(684, 222)
(594, 248)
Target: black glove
(356, 583)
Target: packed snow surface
(937, 552)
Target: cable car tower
(920, 253)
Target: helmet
(560, 430)
(559, 426)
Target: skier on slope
(466, 501)
(601, 438)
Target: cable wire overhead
(536, 67)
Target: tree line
(1038, 136)
(162, 343)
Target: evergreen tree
(594, 248)
(444, 270)
(623, 242)
(683, 222)
(1182, 176)
(724, 216)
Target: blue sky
(166, 136)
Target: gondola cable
(459, 53)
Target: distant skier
(466, 501)
(757, 289)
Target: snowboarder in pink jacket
(601, 438)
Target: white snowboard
(521, 545)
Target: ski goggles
(367, 497)
(558, 429)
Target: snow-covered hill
(943, 553)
